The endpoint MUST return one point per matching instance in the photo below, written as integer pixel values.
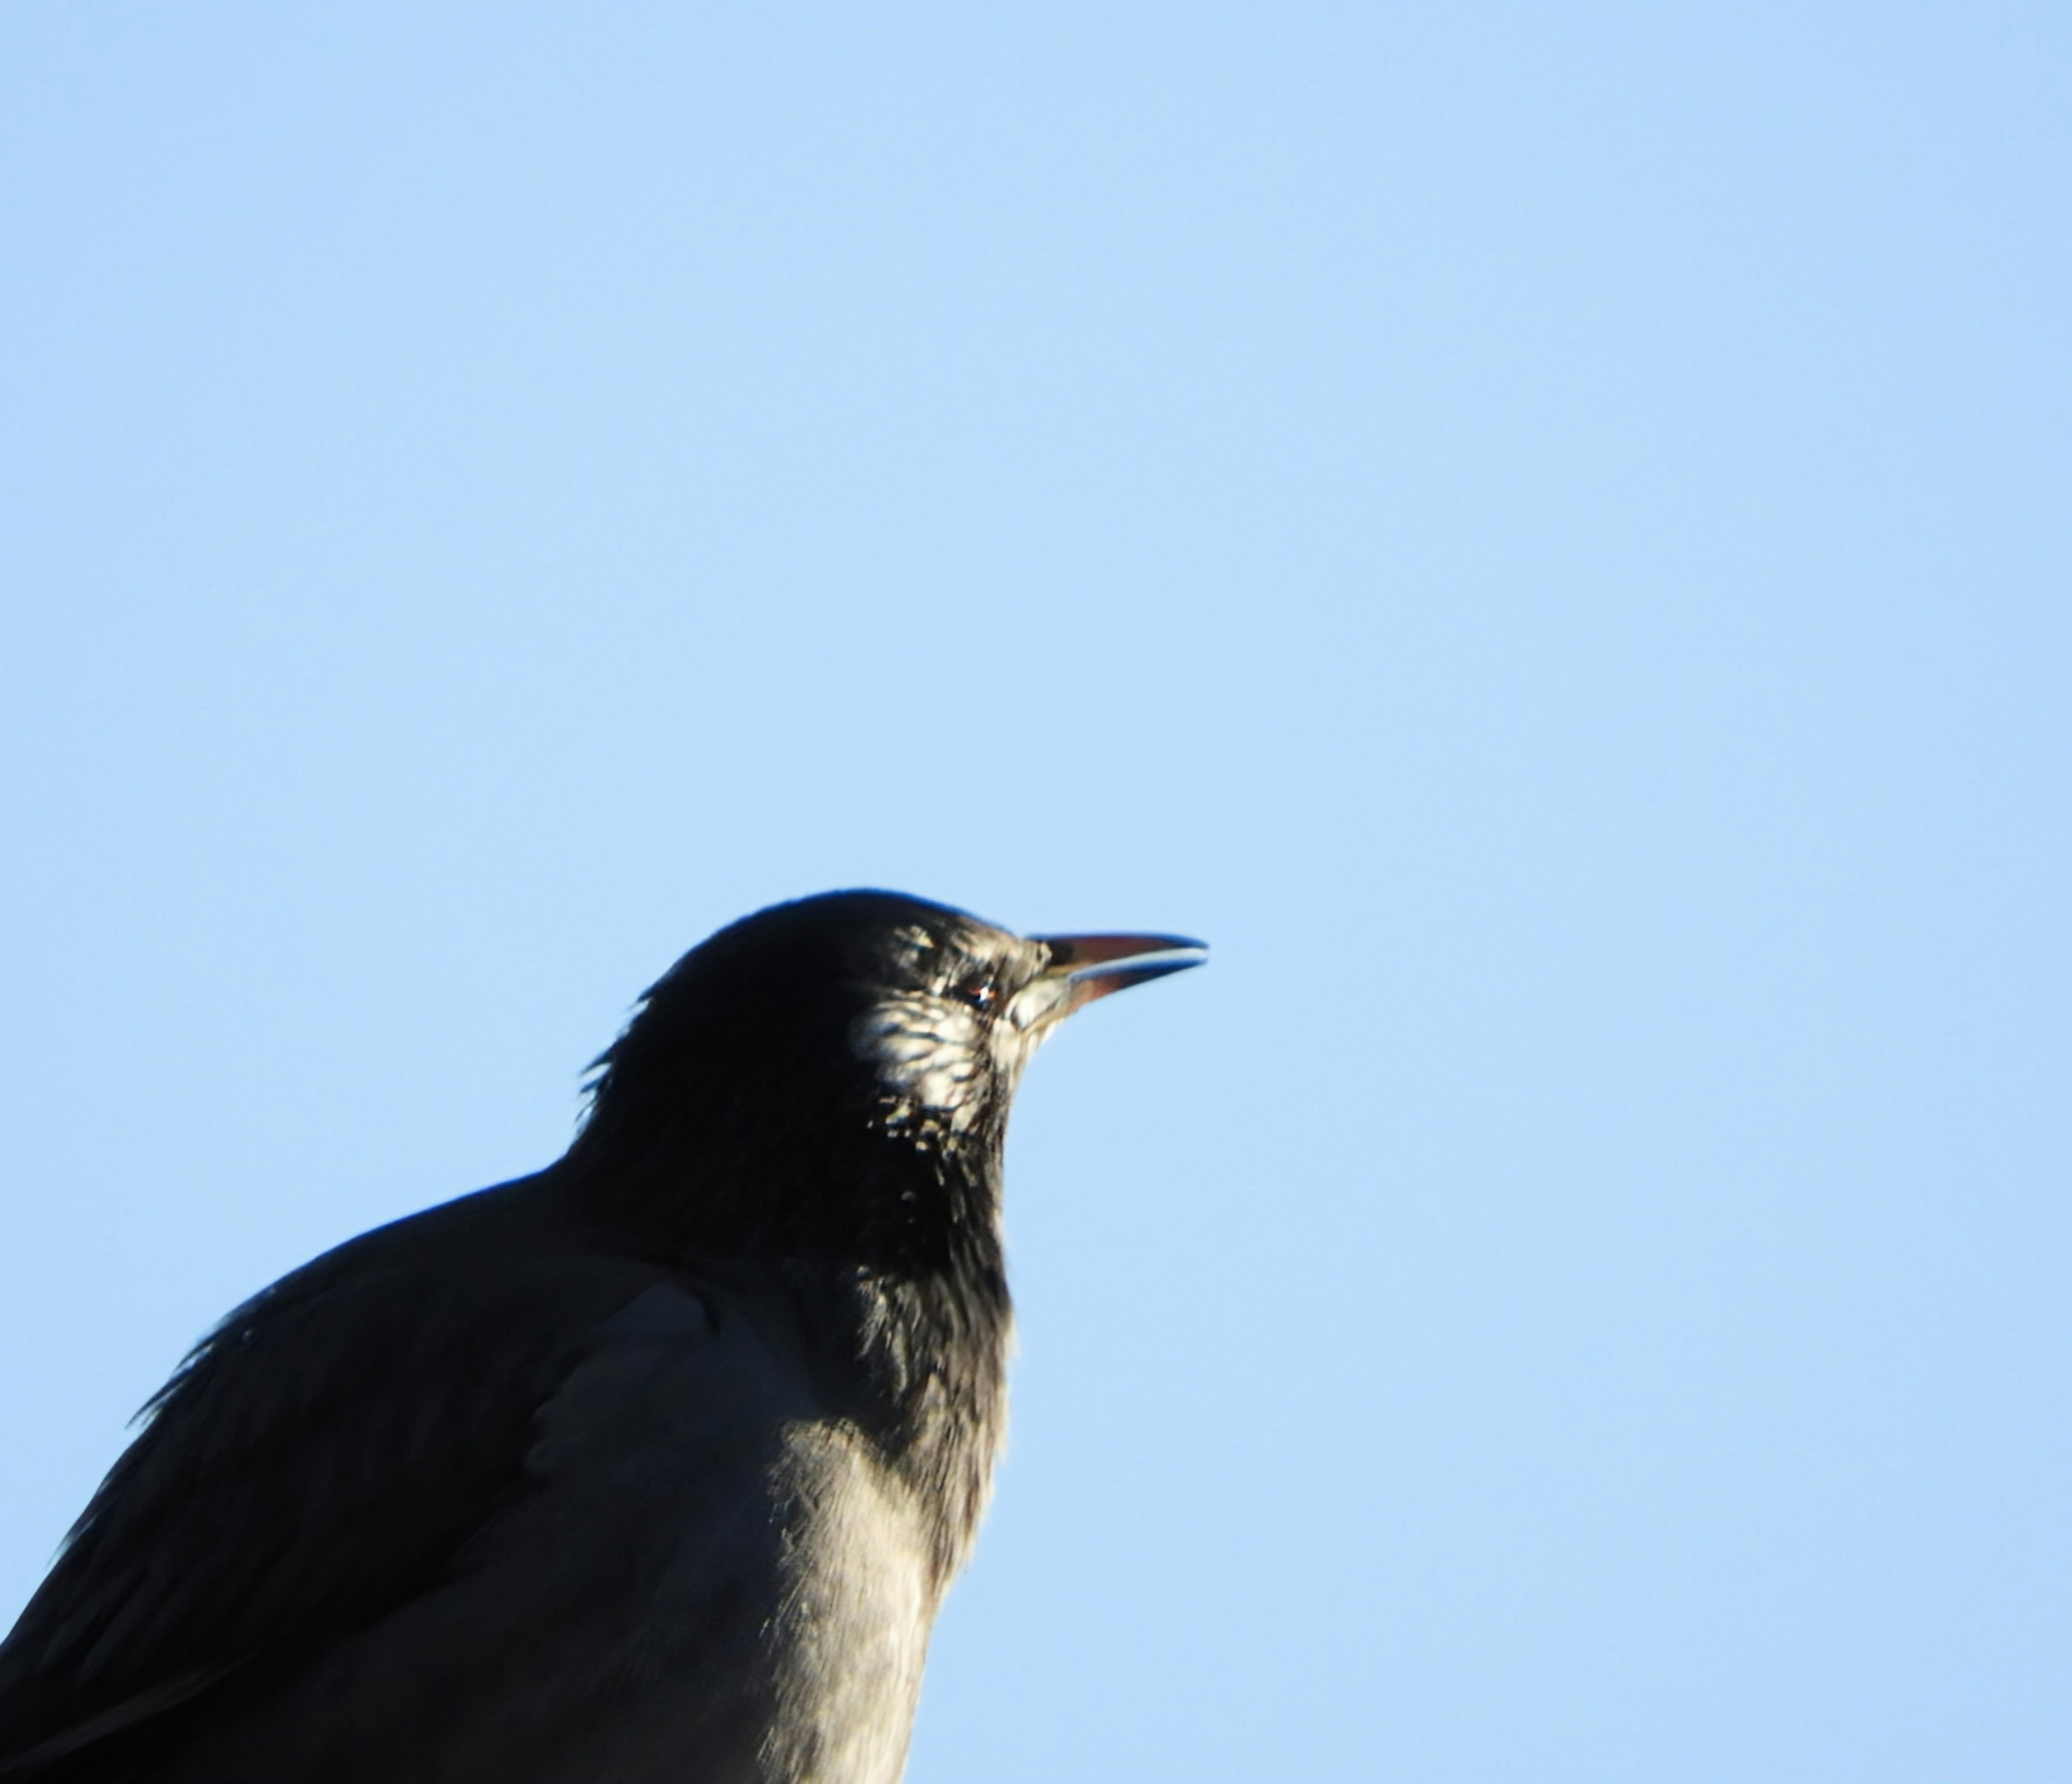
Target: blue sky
(1544, 533)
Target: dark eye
(977, 991)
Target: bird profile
(653, 1465)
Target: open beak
(1083, 968)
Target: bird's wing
(311, 1466)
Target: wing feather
(310, 1467)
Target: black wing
(311, 1466)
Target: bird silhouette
(654, 1466)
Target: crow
(653, 1465)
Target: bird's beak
(1083, 968)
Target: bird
(652, 1466)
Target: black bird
(652, 1466)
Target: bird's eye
(977, 990)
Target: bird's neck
(756, 1180)
(935, 1345)
(905, 1241)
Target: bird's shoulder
(336, 1441)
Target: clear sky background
(1544, 532)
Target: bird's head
(844, 1062)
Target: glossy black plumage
(654, 1466)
